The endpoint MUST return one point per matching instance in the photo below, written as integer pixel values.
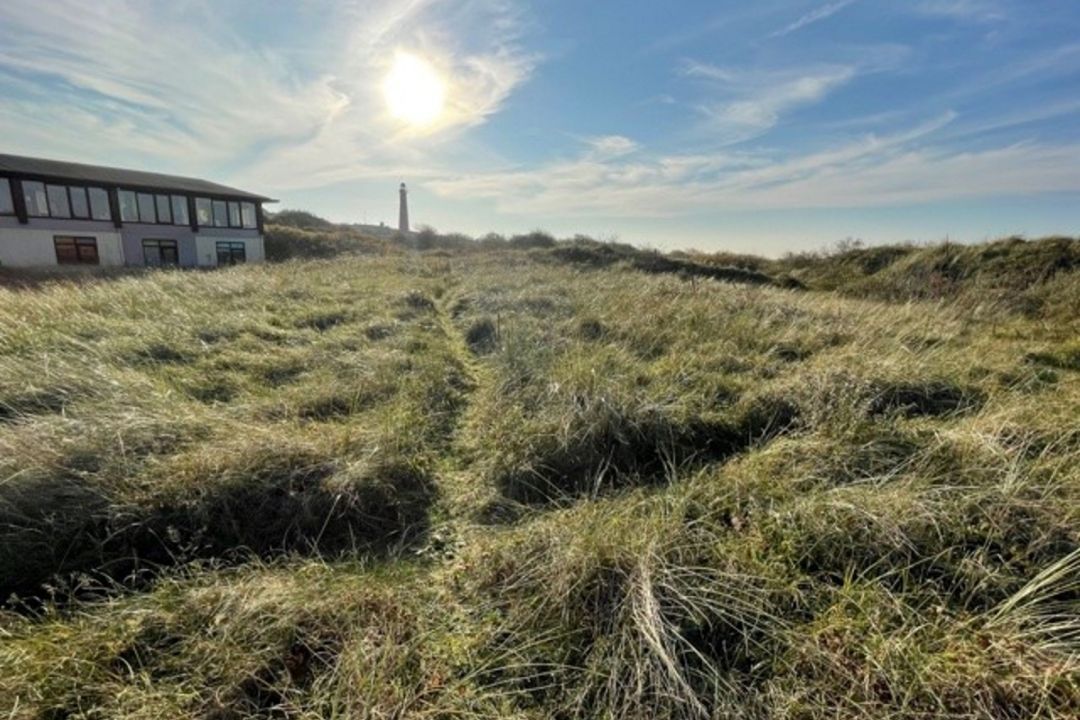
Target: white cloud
(756, 101)
(693, 68)
(177, 86)
(817, 15)
(974, 10)
(611, 146)
(903, 168)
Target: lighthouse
(403, 210)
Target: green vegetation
(285, 242)
(1031, 277)
(544, 479)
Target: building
(62, 213)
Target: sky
(766, 127)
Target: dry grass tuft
(536, 479)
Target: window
(58, 201)
(80, 208)
(231, 253)
(221, 214)
(164, 209)
(76, 250)
(99, 204)
(247, 210)
(146, 208)
(234, 214)
(160, 253)
(129, 209)
(204, 212)
(36, 203)
(7, 205)
(179, 210)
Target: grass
(554, 480)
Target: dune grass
(503, 484)
(152, 420)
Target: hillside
(545, 479)
(1033, 277)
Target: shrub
(284, 242)
(535, 239)
(482, 336)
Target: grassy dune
(532, 484)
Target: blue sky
(761, 126)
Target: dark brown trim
(67, 180)
(114, 206)
(77, 243)
(12, 191)
(18, 199)
(193, 218)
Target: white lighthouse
(403, 210)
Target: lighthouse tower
(403, 210)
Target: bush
(299, 219)
(535, 239)
(284, 242)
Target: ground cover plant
(553, 480)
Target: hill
(299, 234)
(1032, 276)
(545, 479)
(1021, 273)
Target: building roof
(136, 179)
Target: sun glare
(413, 90)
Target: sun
(413, 90)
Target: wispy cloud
(902, 168)
(817, 15)
(973, 10)
(754, 101)
(611, 146)
(284, 96)
(178, 84)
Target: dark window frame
(70, 192)
(81, 246)
(224, 204)
(204, 203)
(161, 244)
(120, 202)
(253, 208)
(158, 197)
(153, 207)
(236, 252)
(49, 200)
(10, 196)
(45, 194)
(108, 208)
(71, 201)
(183, 203)
(230, 208)
(236, 217)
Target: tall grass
(499, 483)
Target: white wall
(33, 247)
(206, 248)
(256, 252)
